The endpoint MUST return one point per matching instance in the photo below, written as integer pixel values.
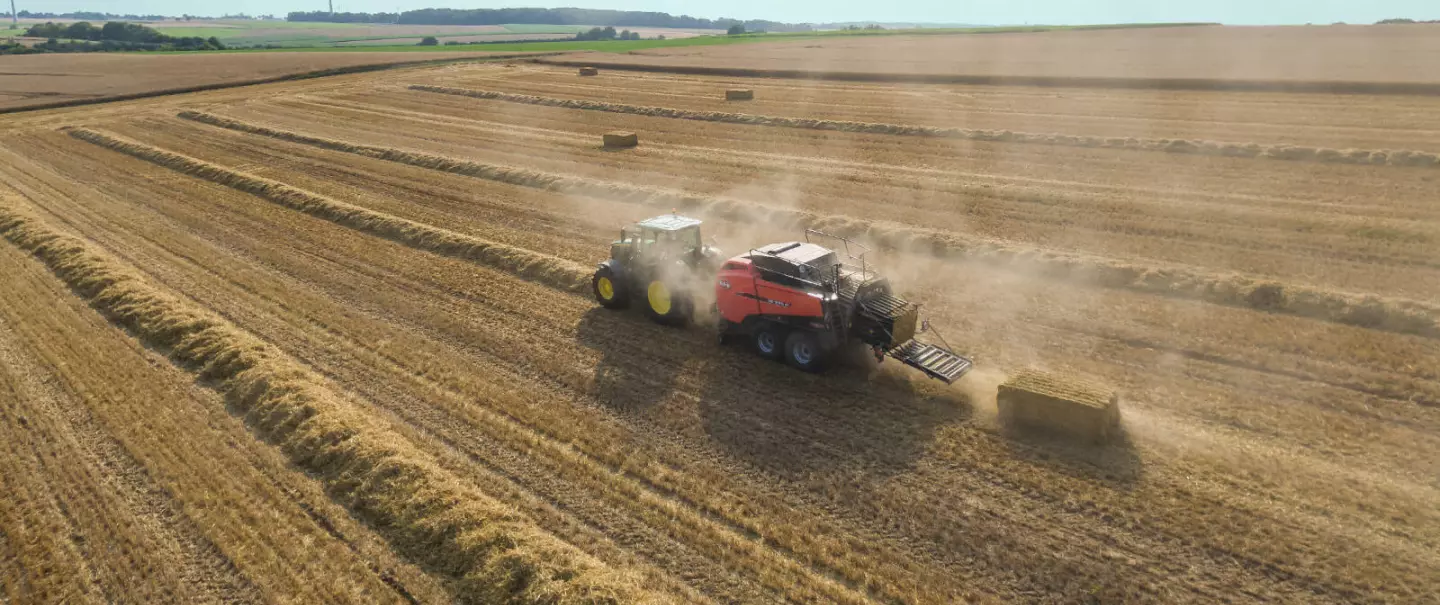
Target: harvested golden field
(1394, 54)
(48, 79)
(372, 291)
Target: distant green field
(301, 43)
(539, 28)
(307, 34)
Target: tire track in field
(200, 564)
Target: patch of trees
(606, 33)
(113, 36)
(545, 16)
(327, 17)
(1402, 22)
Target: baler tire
(803, 352)
(769, 341)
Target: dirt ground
(27, 80)
(1365, 53)
(1267, 457)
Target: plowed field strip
(1315, 120)
(843, 438)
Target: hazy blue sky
(947, 11)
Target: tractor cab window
(645, 240)
(689, 239)
(672, 244)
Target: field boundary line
(487, 551)
(1362, 310)
(559, 273)
(306, 75)
(1289, 153)
(1201, 84)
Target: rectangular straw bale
(738, 94)
(1060, 403)
(589, 71)
(619, 139)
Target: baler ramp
(935, 362)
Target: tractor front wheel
(663, 304)
(803, 351)
(610, 292)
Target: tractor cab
(657, 240)
(660, 260)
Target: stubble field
(373, 300)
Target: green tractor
(662, 262)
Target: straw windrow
(489, 552)
(1368, 311)
(1181, 146)
(549, 270)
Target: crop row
(549, 270)
(1396, 315)
(491, 553)
(1181, 146)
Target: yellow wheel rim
(606, 288)
(659, 298)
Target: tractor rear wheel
(663, 304)
(803, 351)
(769, 341)
(610, 292)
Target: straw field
(331, 340)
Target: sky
(988, 12)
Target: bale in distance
(589, 71)
(620, 140)
(739, 94)
(1058, 403)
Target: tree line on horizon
(113, 36)
(544, 16)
